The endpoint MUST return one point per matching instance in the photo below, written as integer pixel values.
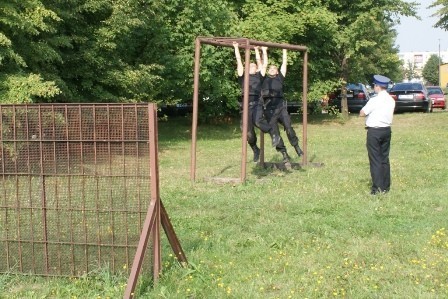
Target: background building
(417, 61)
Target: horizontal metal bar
(228, 42)
(32, 140)
(81, 244)
(83, 105)
(130, 211)
(71, 174)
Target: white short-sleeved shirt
(379, 110)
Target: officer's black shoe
(275, 140)
(298, 150)
(285, 157)
(256, 154)
(378, 191)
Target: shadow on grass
(274, 166)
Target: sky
(420, 35)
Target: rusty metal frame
(59, 168)
(155, 216)
(247, 44)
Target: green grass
(308, 233)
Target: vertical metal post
(245, 110)
(43, 193)
(155, 192)
(197, 54)
(305, 107)
(5, 202)
(17, 198)
(440, 81)
(152, 220)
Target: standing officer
(274, 108)
(256, 75)
(379, 113)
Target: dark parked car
(437, 97)
(411, 96)
(357, 97)
(179, 109)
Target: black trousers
(252, 113)
(378, 147)
(268, 119)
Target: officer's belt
(377, 128)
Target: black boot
(298, 150)
(256, 151)
(285, 157)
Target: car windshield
(352, 86)
(407, 86)
(434, 90)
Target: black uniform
(254, 95)
(274, 110)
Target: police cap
(381, 80)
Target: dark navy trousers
(378, 147)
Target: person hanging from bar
(273, 110)
(256, 73)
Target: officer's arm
(264, 66)
(284, 63)
(362, 113)
(240, 68)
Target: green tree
(365, 40)
(134, 50)
(102, 56)
(306, 24)
(348, 41)
(184, 22)
(410, 71)
(431, 70)
(24, 43)
(441, 13)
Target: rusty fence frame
(247, 44)
(45, 150)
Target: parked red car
(437, 97)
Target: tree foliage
(410, 72)
(141, 50)
(441, 13)
(431, 70)
(24, 45)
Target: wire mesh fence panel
(74, 186)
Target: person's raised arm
(264, 66)
(240, 68)
(258, 58)
(284, 63)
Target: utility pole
(439, 66)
